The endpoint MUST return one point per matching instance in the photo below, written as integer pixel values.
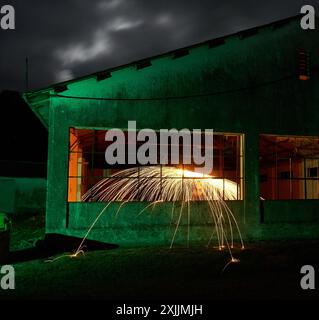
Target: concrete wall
(129, 225)
(280, 104)
(22, 195)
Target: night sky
(71, 38)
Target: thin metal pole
(27, 73)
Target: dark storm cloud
(70, 38)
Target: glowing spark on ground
(232, 260)
(74, 255)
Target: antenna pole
(27, 73)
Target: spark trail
(155, 184)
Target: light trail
(169, 184)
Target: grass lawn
(267, 270)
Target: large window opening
(289, 167)
(88, 172)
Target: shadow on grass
(55, 244)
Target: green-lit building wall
(253, 89)
(22, 195)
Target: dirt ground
(267, 270)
